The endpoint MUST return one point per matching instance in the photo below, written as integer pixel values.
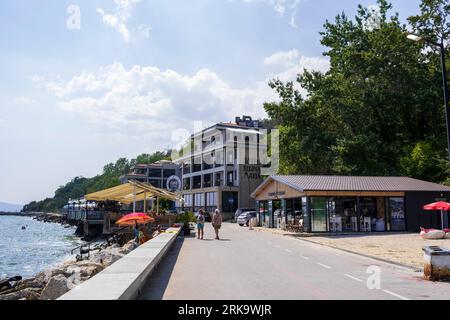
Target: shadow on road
(157, 283)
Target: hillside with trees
(79, 186)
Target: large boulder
(26, 294)
(82, 271)
(128, 247)
(107, 256)
(56, 287)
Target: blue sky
(137, 74)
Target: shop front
(316, 204)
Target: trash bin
(437, 263)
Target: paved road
(252, 265)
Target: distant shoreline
(20, 214)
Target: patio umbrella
(442, 206)
(133, 218)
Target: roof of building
(354, 183)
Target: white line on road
(304, 257)
(352, 277)
(287, 250)
(277, 246)
(395, 295)
(323, 265)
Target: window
(188, 200)
(154, 172)
(230, 178)
(199, 200)
(397, 214)
(318, 214)
(169, 172)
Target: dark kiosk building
(349, 204)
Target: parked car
(241, 211)
(244, 219)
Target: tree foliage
(377, 111)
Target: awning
(130, 192)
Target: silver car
(244, 219)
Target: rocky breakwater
(53, 283)
(53, 218)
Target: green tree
(80, 186)
(365, 115)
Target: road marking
(323, 265)
(277, 246)
(352, 277)
(395, 295)
(287, 250)
(337, 254)
(304, 257)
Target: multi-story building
(221, 167)
(155, 174)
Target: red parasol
(441, 205)
(133, 218)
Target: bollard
(437, 263)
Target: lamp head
(414, 37)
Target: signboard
(173, 184)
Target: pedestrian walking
(217, 222)
(136, 233)
(200, 224)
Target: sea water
(38, 247)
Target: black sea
(28, 246)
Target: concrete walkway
(250, 265)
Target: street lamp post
(444, 81)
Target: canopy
(131, 192)
(437, 206)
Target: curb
(125, 279)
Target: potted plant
(186, 218)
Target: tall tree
(366, 115)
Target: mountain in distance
(9, 207)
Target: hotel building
(220, 167)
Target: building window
(186, 183)
(211, 201)
(199, 201)
(188, 201)
(247, 150)
(230, 179)
(154, 172)
(318, 214)
(169, 172)
(155, 183)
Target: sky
(85, 82)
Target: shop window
(396, 207)
(318, 214)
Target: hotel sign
(277, 194)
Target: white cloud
(288, 64)
(374, 20)
(145, 99)
(23, 101)
(282, 7)
(148, 103)
(118, 19)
